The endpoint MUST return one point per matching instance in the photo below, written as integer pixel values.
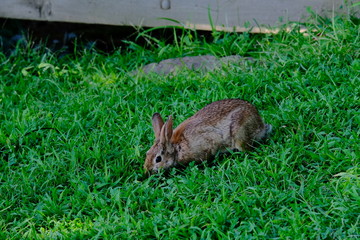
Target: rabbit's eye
(158, 159)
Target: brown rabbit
(221, 125)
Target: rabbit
(219, 126)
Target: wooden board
(224, 14)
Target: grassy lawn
(75, 129)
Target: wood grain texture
(224, 14)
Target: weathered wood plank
(225, 14)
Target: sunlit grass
(75, 129)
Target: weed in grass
(74, 131)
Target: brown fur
(221, 125)
(178, 134)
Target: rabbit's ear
(166, 131)
(157, 123)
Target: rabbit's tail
(268, 130)
(264, 133)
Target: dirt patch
(196, 63)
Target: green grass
(75, 129)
